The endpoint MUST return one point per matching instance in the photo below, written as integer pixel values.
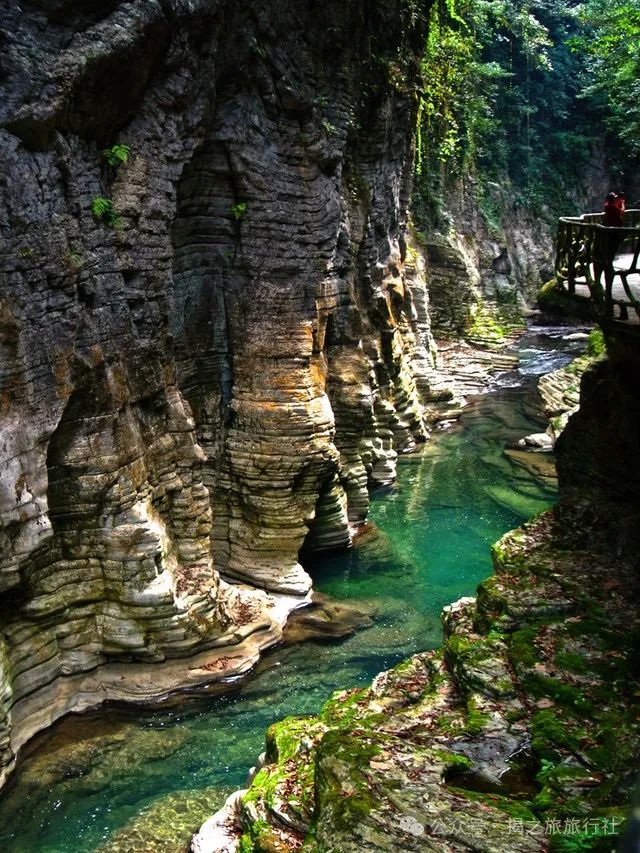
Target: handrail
(632, 214)
(597, 255)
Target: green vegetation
(103, 210)
(329, 128)
(117, 154)
(260, 839)
(284, 738)
(609, 38)
(340, 781)
(555, 300)
(342, 709)
(596, 345)
(490, 326)
(594, 841)
(73, 261)
(453, 761)
(517, 95)
(476, 720)
(515, 810)
(238, 210)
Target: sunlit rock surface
(217, 370)
(484, 272)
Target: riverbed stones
(327, 619)
(559, 392)
(468, 370)
(537, 441)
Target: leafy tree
(519, 92)
(610, 37)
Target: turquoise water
(118, 780)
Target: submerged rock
(165, 826)
(326, 618)
(541, 465)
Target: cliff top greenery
(526, 93)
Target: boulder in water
(327, 619)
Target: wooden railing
(604, 259)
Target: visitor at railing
(614, 210)
(614, 207)
(598, 257)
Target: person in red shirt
(613, 218)
(614, 210)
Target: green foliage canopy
(610, 38)
(520, 92)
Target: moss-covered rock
(491, 325)
(554, 299)
(526, 720)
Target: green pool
(116, 780)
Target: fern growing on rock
(103, 210)
(117, 154)
(238, 210)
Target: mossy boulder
(554, 299)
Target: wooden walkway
(619, 297)
(601, 264)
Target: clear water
(118, 780)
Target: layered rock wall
(489, 253)
(209, 352)
(484, 274)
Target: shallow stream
(117, 780)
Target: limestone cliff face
(489, 258)
(217, 380)
(481, 271)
